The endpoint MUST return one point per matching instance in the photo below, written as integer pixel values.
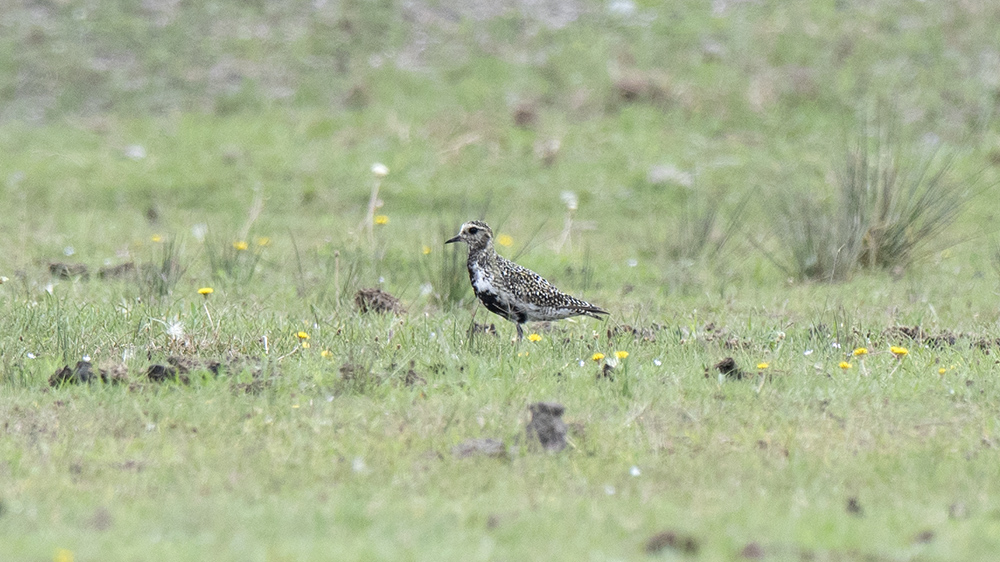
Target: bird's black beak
(457, 238)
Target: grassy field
(807, 189)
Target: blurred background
(689, 142)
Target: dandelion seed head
(175, 330)
(199, 231)
(380, 170)
(569, 199)
(135, 152)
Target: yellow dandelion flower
(505, 240)
(523, 354)
(240, 245)
(860, 351)
(305, 345)
(381, 219)
(302, 335)
(263, 241)
(326, 353)
(426, 250)
(205, 291)
(295, 405)
(763, 365)
(156, 238)
(63, 555)
(942, 371)
(534, 337)
(845, 365)
(597, 356)
(898, 351)
(621, 354)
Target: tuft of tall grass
(889, 201)
(894, 201)
(158, 277)
(705, 227)
(234, 261)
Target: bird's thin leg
(520, 332)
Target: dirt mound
(546, 426)
(69, 270)
(377, 300)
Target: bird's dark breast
(493, 303)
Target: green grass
(259, 124)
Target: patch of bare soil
(412, 377)
(482, 447)
(729, 369)
(546, 426)
(752, 551)
(673, 540)
(853, 507)
(646, 334)
(69, 270)
(377, 300)
(121, 271)
(175, 369)
(919, 335)
(83, 373)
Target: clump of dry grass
(890, 201)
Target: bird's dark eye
(473, 230)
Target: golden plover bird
(514, 292)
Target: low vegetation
(231, 329)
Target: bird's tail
(593, 311)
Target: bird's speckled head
(476, 234)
